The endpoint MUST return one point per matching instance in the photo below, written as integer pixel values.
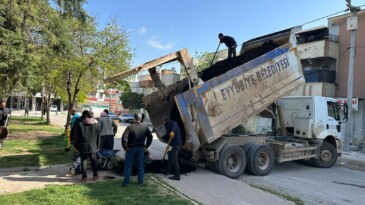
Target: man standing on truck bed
(174, 135)
(230, 43)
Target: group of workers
(136, 139)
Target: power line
(325, 17)
(329, 15)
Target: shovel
(167, 149)
(215, 54)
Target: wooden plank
(156, 78)
(148, 65)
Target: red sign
(355, 102)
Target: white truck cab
(312, 117)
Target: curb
(32, 168)
(352, 160)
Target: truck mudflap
(339, 146)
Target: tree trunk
(48, 105)
(72, 97)
(42, 107)
(69, 95)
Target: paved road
(337, 185)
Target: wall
(343, 58)
(320, 89)
(318, 49)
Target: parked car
(54, 108)
(113, 116)
(126, 117)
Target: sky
(159, 27)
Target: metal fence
(317, 37)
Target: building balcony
(317, 43)
(317, 37)
(318, 49)
(145, 83)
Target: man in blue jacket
(230, 43)
(175, 141)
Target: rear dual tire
(231, 162)
(260, 159)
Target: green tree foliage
(20, 31)
(57, 50)
(120, 85)
(131, 100)
(201, 61)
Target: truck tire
(231, 162)
(327, 156)
(260, 160)
(246, 147)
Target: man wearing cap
(134, 144)
(230, 43)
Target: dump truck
(209, 104)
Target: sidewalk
(19, 179)
(352, 160)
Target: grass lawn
(31, 124)
(107, 192)
(33, 143)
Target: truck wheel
(327, 156)
(231, 162)
(246, 147)
(260, 160)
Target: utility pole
(110, 99)
(352, 27)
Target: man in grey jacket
(108, 129)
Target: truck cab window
(333, 110)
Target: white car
(126, 117)
(54, 108)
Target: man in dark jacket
(134, 144)
(230, 43)
(86, 141)
(4, 113)
(75, 167)
(174, 135)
